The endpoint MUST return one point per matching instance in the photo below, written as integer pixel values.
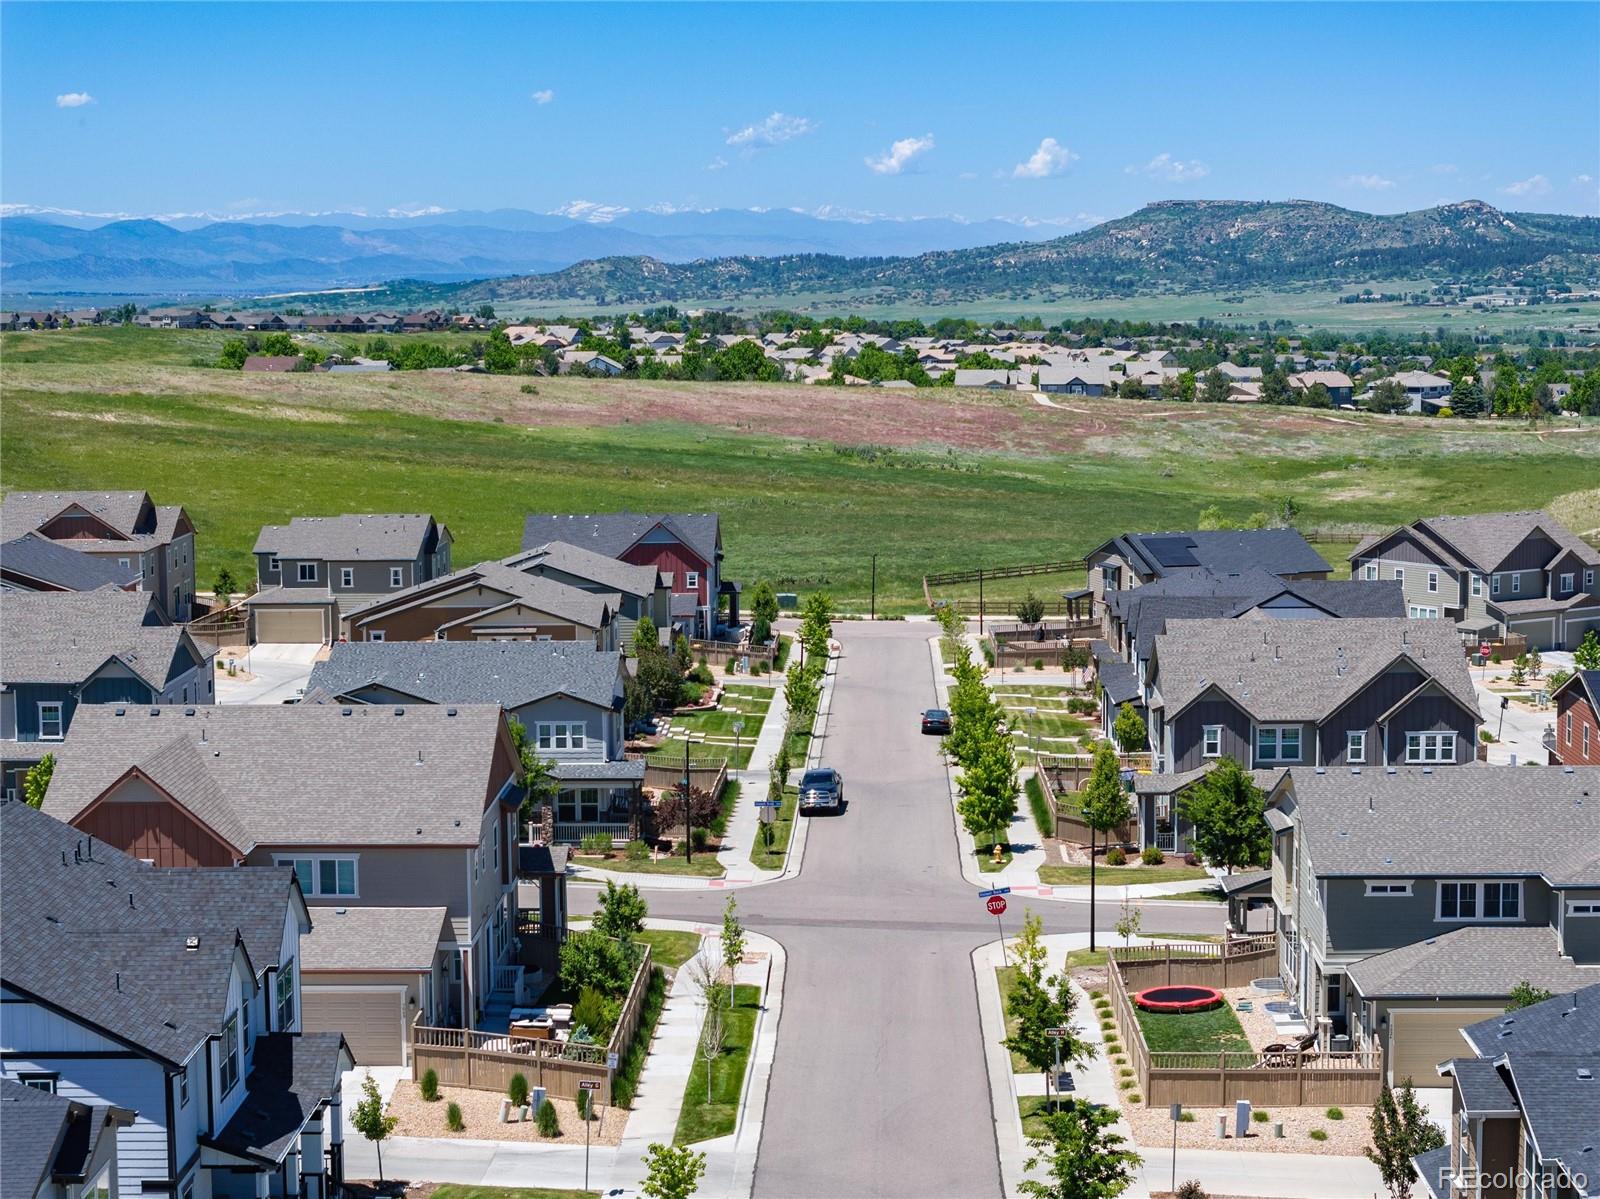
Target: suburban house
(1525, 1103)
(1340, 388)
(640, 589)
(1425, 393)
(1134, 559)
(63, 649)
(568, 696)
(490, 602)
(1493, 574)
(316, 570)
(57, 1148)
(1577, 724)
(686, 547)
(124, 528)
(34, 563)
(375, 807)
(1084, 378)
(173, 996)
(1401, 920)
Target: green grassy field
(810, 482)
(700, 1120)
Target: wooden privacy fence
(709, 775)
(1063, 775)
(1218, 1079)
(486, 1061)
(719, 653)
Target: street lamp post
(738, 730)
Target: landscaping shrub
(1039, 804)
(702, 674)
(1334, 1113)
(528, 389)
(597, 1013)
(1115, 856)
(517, 1092)
(626, 1079)
(1078, 706)
(1127, 1084)
(452, 1118)
(592, 959)
(1126, 1072)
(1135, 1100)
(1113, 1045)
(1317, 1134)
(549, 1122)
(1152, 856)
(595, 843)
(1185, 1118)
(1259, 1116)
(690, 693)
(1038, 663)
(637, 851)
(1192, 1188)
(1191, 859)
(430, 1085)
(702, 838)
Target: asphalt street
(879, 1087)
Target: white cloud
(415, 210)
(777, 128)
(73, 99)
(543, 96)
(1583, 180)
(900, 155)
(1051, 158)
(589, 210)
(1533, 185)
(717, 163)
(1445, 168)
(1171, 170)
(1371, 183)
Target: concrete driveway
(281, 672)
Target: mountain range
(44, 251)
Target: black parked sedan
(936, 720)
(821, 788)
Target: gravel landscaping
(1346, 1138)
(480, 1112)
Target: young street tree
(732, 943)
(1129, 730)
(988, 786)
(763, 612)
(1105, 805)
(1400, 1131)
(622, 911)
(370, 1120)
(1039, 1004)
(1030, 610)
(37, 781)
(1228, 812)
(1083, 1157)
(672, 1172)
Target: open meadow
(810, 481)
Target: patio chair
(1286, 1053)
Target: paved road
(879, 1086)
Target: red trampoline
(1178, 999)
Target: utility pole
(980, 602)
(1091, 888)
(874, 615)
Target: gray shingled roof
(608, 572)
(1483, 1088)
(611, 533)
(36, 557)
(46, 1136)
(104, 937)
(1554, 1026)
(587, 608)
(1301, 669)
(508, 673)
(627, 770)
(1560, 1094)
(366, 537)
(296, 774)
(65, 636)
(290, 1077)
(1477, 962)
(22, 511)
(1486, 538)
(1220, 551)
(1434, 1169)
(362, 938)
(1412, 820)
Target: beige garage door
(369, 1018)
(294, 625)
(1420, 1040)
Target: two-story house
(55, 1147)
(686, 547)
(1576, 730)
(62, 649)
(1411, 900)
(316, 570)
(1525, 1104)
(174, 995)
(34, 563)
(1492, 574)
(1426, 393)
(491, 602)
(394, 808)
(641, 590)
(568, 696)
(124, 528)
(1133, 559)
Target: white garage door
(369, 1017)
(1420, 1040)
(295, 625)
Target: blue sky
(1051, 113)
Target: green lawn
(984, 854)
(704, 865)
(711, 732)
(1004, 977)
(1214, 895)
(1118, 876)
(242, 451)
(452, 1190)
(699, 1120)
(1192, 1032)
(669, 947)
(782, 835)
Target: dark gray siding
(1581, 934)
(1188, 734)
(1401, 547)
(1358, 924)
(1432, 714)
(1532, 554)
(1361, 713)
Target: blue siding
(100, 691)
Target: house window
(323, 875)
(1211, 739)
(1586, 741)
(1334, 994)
(691, 580)
(1566, 583)
(1355, 747)
(307, 572)
(1370, 571)
(1399, 574)
(273, 565)
(1422, 612)
(439, 635)
(1377, 887)
(1494, 585)
(51, 721)
(1480, 901)
(122, 562)
(1569, 728)
(397, 576)
(1458, 901)
(183, 1088)
(578, 806)
(1588, 580)
(1502, 901)
(1430, 747)
(1278, 743)
(1516, 584)
(1433, 580)
(229, 1068)
(374, 634)
(1477, 584)
(347, 576)
(283, 992)
(1583, 907)
(560, 735)
(40, 1081)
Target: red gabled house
(1577, 728)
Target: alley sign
(769, 803)
(1058, 1034)
(588, 1084)
(995, 891)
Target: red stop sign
(996, 905)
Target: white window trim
(1207, 733)
(1422, 612)
(1477, 584)
(230, 1058)
(1588, 579)
(1399, 574)
(1568, 582)
(1371, 570)
(316, 860)
(300, 572)
(1353, 739)
(374, 634)
(1477, 886)
(691, 578)
(1494, 585)
(1433, 581)
(1516, 583)
(347, 576)
(1583, 908)
(60, 721)
(1419, 755)
(1277, 731)
(1388, 888)
(397, 576)
(545, 733)
(273, 565)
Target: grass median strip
(1119, 876)
(700, 1120)
(782, 835)
(669, 947)
(451, 1190)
